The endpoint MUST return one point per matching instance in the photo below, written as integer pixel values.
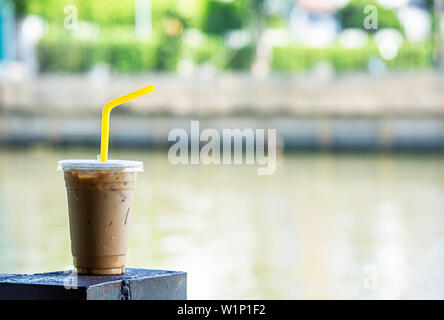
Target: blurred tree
(220, 17)
(259, 13)
(352, 16)
(191, 11)
(20, 7)
(438, 33)
(428, 4)
(102, 12)
(169, 34)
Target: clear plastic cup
(100, 197)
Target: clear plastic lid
(92, 165)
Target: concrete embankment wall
(357, 112)
(387, 133)
(229, 95)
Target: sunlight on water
(323, 226)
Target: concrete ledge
(134, 284)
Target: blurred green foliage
(102, 12)
(20, 7)
(413, 56)
(119, 48)
(297, 58)
(240, 59)
(60, 51)
(221, 16)
(352, 15)
(116, 43)
(109, 12)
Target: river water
(323, 226)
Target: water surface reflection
(312, 230)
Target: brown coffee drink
(99, 204)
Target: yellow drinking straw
(106, 113)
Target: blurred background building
(329, 75)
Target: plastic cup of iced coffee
(100, 197)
